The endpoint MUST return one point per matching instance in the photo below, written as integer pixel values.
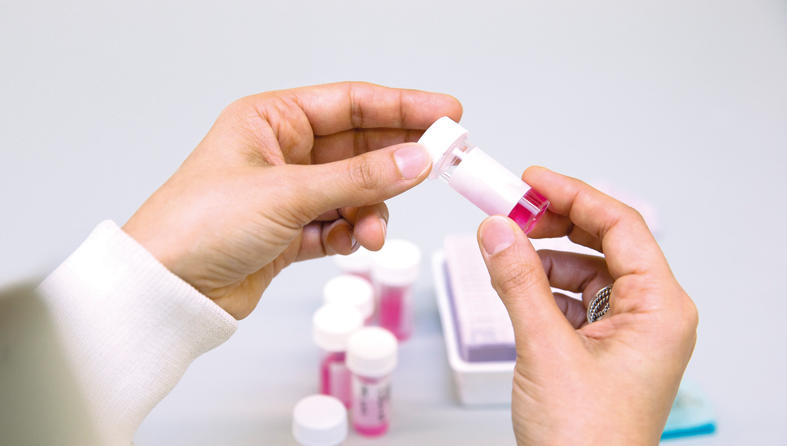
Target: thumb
(518, 277)
(361, 180)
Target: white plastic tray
(477, 383)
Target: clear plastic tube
(478, 177)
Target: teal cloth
(691, 414)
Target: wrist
(598, 436)
(161, 248)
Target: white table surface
(681, 102)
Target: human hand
(285, 176)
(611, 382)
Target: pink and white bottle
(351, 290)
(478, 177)
(358, 263)
(371, 357)
(394, 272)
(332, 326)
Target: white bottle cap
(442, 136)
(359, 262)
(319, 420)
(333, 324)
(371, 351)
(350, 290)
(397, 263)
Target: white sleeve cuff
(128, 326)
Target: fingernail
(496, 235)
(384, 225)
(412, 160)
(355, 243)
(340, 240)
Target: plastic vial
(371, 357)
(351, 290)
(395, 270)
(358, 263)
(319, 420)
(478, 177)
(333, 324)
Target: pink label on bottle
(340, 382)
(371, 404)
(395, 312)
(335, 377)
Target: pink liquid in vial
(395, 312)
(371, 405)
(335, 377)
(529, 210)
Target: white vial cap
(397, 263)
(319, 420)
(443, 135)
(359, 262)
(333, 324)
(350, 290)
(371, 351)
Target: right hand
(611, 382)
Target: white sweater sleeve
(128, 328)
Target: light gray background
(684, 103)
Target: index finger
(333, 108)
(626, 241)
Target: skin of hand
(611, 382)
(285, 176)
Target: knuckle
(627, 216)
(691, 315)
(236, 108)
(364, 174)
(240, 112)
(681, 323)
(632, 214)
(614, 212)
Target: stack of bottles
(366, 312)
(391, 272)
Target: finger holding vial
(627, 365)
(622, 234)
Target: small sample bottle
(332, 326)
(371, 357)
(319, 420)
(351, 290)
(394, 271)
(358, 263)
(478, 177)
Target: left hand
(285, 176)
